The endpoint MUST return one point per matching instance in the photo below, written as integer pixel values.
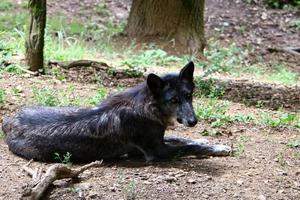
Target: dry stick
(80, 63)
(55, 172)
(291, 50)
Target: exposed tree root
(80, 63)
(41, 182)
(291, 50)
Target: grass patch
(1, 134)
(100, 96)
(2, 96)
(293, 143)
(53, 97)
(295, 24)
(284, 119)
(65, 159)
(214, 112)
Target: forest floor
(265, 164)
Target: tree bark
(181, 20)
(35, 38)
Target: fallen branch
(55, 172)
(292, 50)
(80, 63)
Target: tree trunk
(35, 38)
(181, 20)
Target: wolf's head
(174, 94)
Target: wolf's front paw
(221, 150)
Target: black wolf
(125, 123)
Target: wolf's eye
(188, 95)
(174, 100)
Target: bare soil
(262, 168)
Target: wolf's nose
(192, 122)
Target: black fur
(125, 123)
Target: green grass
(284, 119)
(1, 134)
(295, 24)
(213, 111)
(293, 143)
(5, 5)
(233, 60)
(65, 159)
(216, 113)
(53, 97)
(100, 96)
(2, 96)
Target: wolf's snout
(192, 122)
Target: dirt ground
(263, 167)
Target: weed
(282, 120)
(73, 189)
(2, 96)
(211, 133)
(297, 124)
(16, 91)
(213, 111)
(5, 5)
(244, 118)
(208, 88)
(283, 76)
(293, 143)
(244, 138)
(102, 10)
(1, 134)
(295, 24)
(65, 159)
(239, 149)
(223, 59)
(130, 191)
(46, 97)
(137, 63)
(281, 158)
(101, 94)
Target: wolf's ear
(187, 72)
(155, 83)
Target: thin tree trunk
(181, 20)
(35, 38)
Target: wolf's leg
(171, 140)
(174, 147)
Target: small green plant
(2, 96)
(239, 149)
(137, 62)
(5, 5)
(244, 118)
(208, 88)
(46, 97)
(211, 133)
(65, 159)
(214, 112)
(274, 122)
(295, 24)
(1, 134)
(293, 143)
(74, 189)
(131, 191)
(283, 75)
(297, 124)
(101, 9)
(16, 91)
(100, 96)
(281, 159)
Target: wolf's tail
(6, 125)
